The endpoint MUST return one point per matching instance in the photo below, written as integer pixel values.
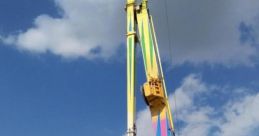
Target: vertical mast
(131, 40)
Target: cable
(171, 58)
(168, 31)
(176, 114)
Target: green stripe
(130, 55)
(151, 46)
(144, 46)
(130, 25)
(130, 60)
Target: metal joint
(132, 131)
(129, 4)
(131, 33)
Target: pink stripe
(154, 124)
(163, 127)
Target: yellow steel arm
(154, 90)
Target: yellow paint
(131, 68)
(154, 89)
(170, 115)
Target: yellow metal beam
(131, 39)
(154, 89)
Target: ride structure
(140, 30)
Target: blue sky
(62, 67)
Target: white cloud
(242, 117)
(144, 126)
(207, 31)
(239, 116)
(87, 29)
(203, 31)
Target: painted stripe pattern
(130, 68)
(161, 124)
(147, 45)
(160, 121)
